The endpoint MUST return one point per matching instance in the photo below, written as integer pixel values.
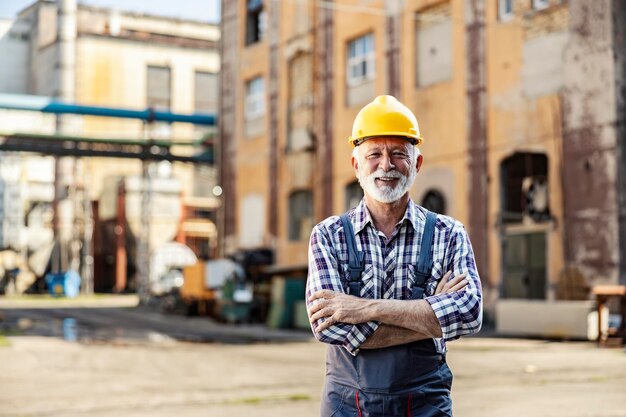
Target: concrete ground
(61, 373)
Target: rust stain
(226, 128)
(274, 25)
(589, 182)
(476, 136)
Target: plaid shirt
(390, 271)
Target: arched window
(524, 187)
(434, 201)
(300, 215)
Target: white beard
(386, 194)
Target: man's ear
(355, 163)
(420, 159)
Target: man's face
(386, 167)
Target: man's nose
(385, 163)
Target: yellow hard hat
(385, 116)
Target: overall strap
(356, 259)
(425, 262)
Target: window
(354, 194)
(524, 192)
(540, 4)
(255, 22)
(206, 92)
(300, 215)
(505, 9)
(434, 201)
(255, 99)
(360, 60)
(158, 88)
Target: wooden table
(603, 293)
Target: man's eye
(373, 155)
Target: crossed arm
(402, 321)
(454, 309)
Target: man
(379, 290)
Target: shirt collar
(414, 214)
(361, 216)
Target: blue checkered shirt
(390, 271)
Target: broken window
(300, 215)
(434, 201)
(255, 22)
(524, 188)
(354, 194)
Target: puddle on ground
(73, 330)
(70, 330)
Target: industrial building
(521, 103)
(83, 55)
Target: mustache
(379, 173)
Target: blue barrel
(63, 284)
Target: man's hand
(455, 284)
(337, 307)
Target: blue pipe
(47, 105)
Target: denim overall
(404, 380)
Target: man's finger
(442, 282)
(459, 286)
(325, 325)
(453, 282)
(321, 313)
(317, 306)
(321, 294)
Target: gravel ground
(119, 360)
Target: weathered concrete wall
(544, 85)
(589, 143)
(434, 45)
(251, 216)
(524, 115)
(619, 49)
(251, 153)
(478, 196)
(14, 52)
(542, 72)
(229, 117)
(440, 108)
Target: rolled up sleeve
(460, 313)
(324, 274)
